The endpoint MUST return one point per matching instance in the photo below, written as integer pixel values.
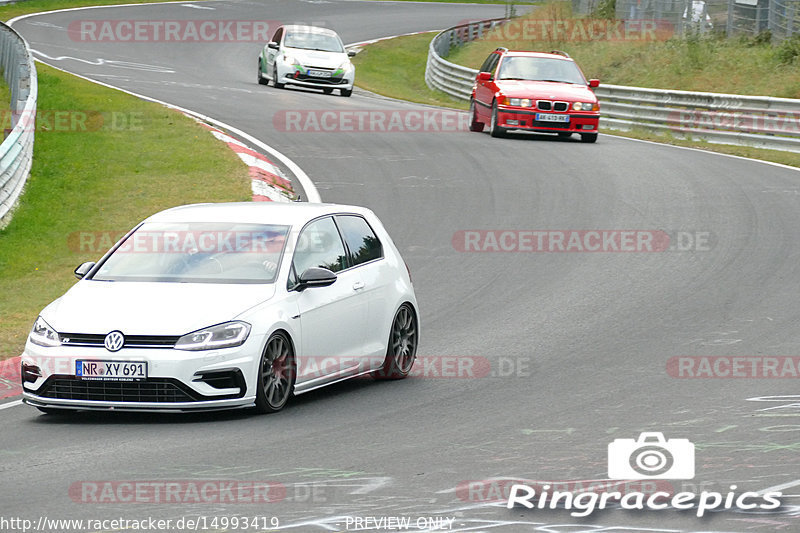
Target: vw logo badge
(114, 341)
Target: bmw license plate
(111, 370)
(319, 73)
(551, 117)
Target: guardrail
(16, 151)
(758, 121)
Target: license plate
(111, 370)
(319, 73)
(551, 117)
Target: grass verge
(396, 68)
(115, 160)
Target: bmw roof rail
(561, 53)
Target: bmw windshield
(540, 69)
(197, 253)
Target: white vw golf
(215, 306)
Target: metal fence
(759, 121)
(16, 151)
(731, 17)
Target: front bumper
(516, 119)
(177, 380)
(289, 75)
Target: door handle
(358, 285)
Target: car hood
(545, 90)
(140, 308)
(314, 58)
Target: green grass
(396, 68)
(134, 158)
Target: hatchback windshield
(540, 69)
(197, 253)
(313, 41)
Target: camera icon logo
(651, 457)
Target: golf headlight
(225, 335)
(43, 335)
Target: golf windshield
(207, 252)
(313, 41)
(540, 69)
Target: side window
(277, 37)
(361, 241)
(485, 67)
(319, 245)
(490, 63)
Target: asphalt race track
(578, 343)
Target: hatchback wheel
(276, 374)
(345, 92)
(402, 350)
(275, 77)
(261, 80)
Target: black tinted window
(361, 240)
(319, 245)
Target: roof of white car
(308, 29)
(291, 214)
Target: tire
(474, 125)
(327, 90)
(494, 129)
(564, 135)
(402, 348)
(277, 372)
(261, 80)
(345, 92)
(275, 77)
(588, 137)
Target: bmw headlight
(225, 335)
(43, 335)
(583, 106)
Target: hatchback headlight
(225, 335)
(43, 335)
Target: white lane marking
(108, 62)
(10, 404)
(779, 488)
(21, 17)
(198, 7)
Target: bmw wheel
(402, 349)
(275, 77)
(588, 137)
(276, 374)
(474, 125)
(261, 80)
(494, 129)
